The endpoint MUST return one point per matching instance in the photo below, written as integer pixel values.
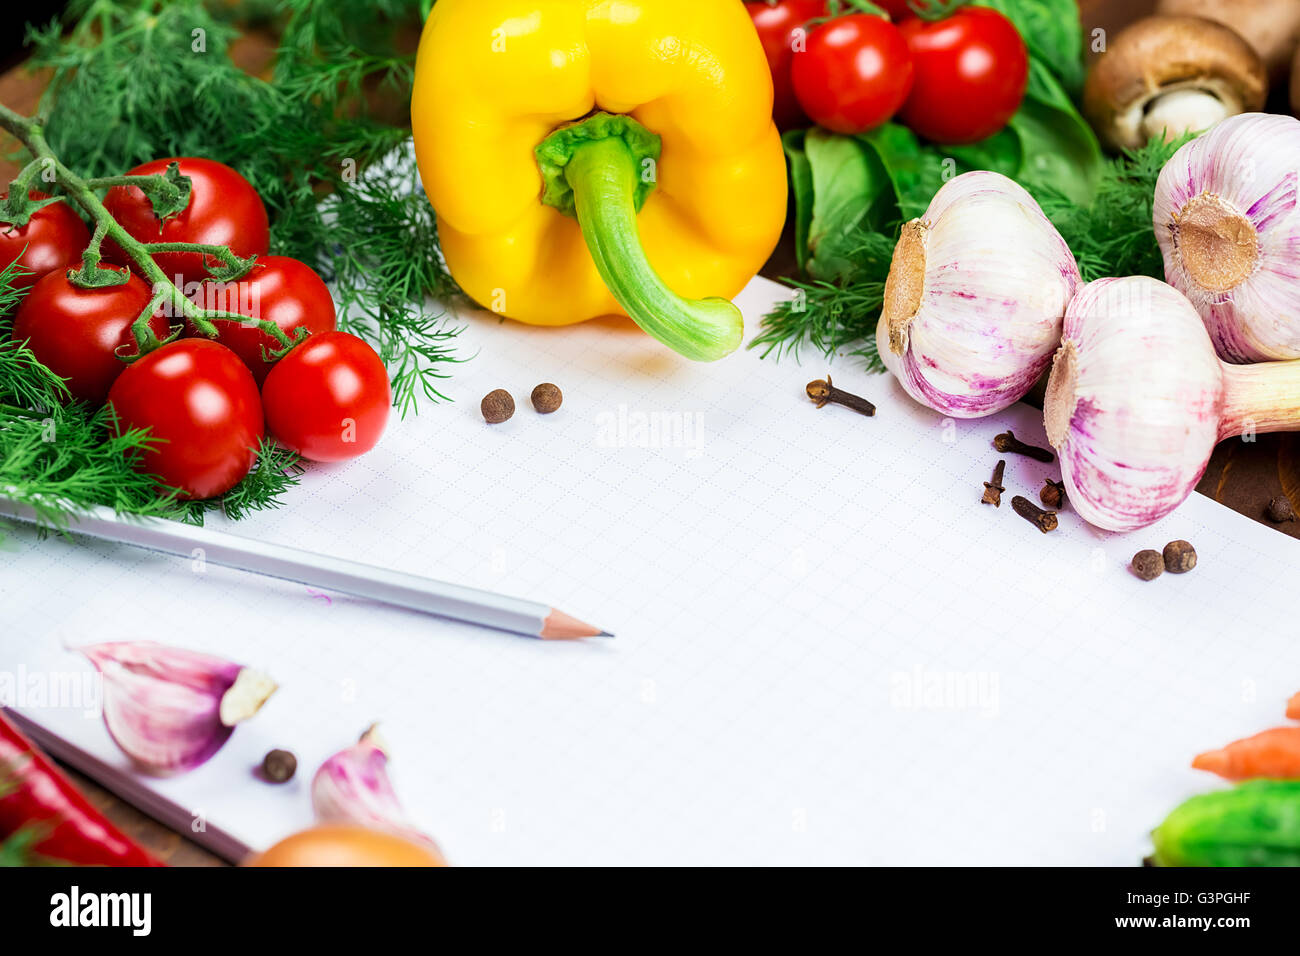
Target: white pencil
(439, 598)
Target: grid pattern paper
(828, 651)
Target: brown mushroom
(1272, 27)
(1171, 75)
(1295, 85)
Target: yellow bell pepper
(602, 157)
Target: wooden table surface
(1241, 475)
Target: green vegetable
(1254, 824)
(802, 189)
(1059, 150)
(158, 80)
(844, 171)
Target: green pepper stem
(604, 175)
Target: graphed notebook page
(828, 651)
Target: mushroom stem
(1183, 111)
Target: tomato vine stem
(165, 191)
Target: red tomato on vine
(329, 398)
(224, 210)
(972, 69)
(277, 289)
(79, 333)
(855, 74)
(53, 239)
(201, 403)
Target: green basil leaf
(850, 190)
(1053, 34)
(916, 171)
(1059, 150)
(1001, 153)
(801, 188)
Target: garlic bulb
(170, 709)
(975, 297)
(353, 787)
(1137, 401)
(1225, 218)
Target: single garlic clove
(1225, 218)
(170, 709)
(975, 297)
(1133, 402)
(353, 787)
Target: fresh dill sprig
(67, 460)
(1115, 236)
(832, 316)
(277, 470)
(158, 79)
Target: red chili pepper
(44, 818)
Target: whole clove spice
(993, 489)
(823, 392)
(1279, 510)
(1052, 494)
(1148, 565)
(1009, 444)
(1180, 557)
(1045, 521)
(279, 766)
(497, 406)
(547, 398)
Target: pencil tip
(559, 626)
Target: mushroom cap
(1272, 27)
(1159, 55)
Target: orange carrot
(1293, 707)
(1274, 753)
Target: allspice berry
(1180, 557)
(497, 406)
(279, 766)
(1279, 510)
(547, 398)
(1148, 565)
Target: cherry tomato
(224, 210)
(971, 72)
(854, 75)
(328, 399)
(277, 288)
(76, 332)
(776, 23)
(201, 401)
(53, 238)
